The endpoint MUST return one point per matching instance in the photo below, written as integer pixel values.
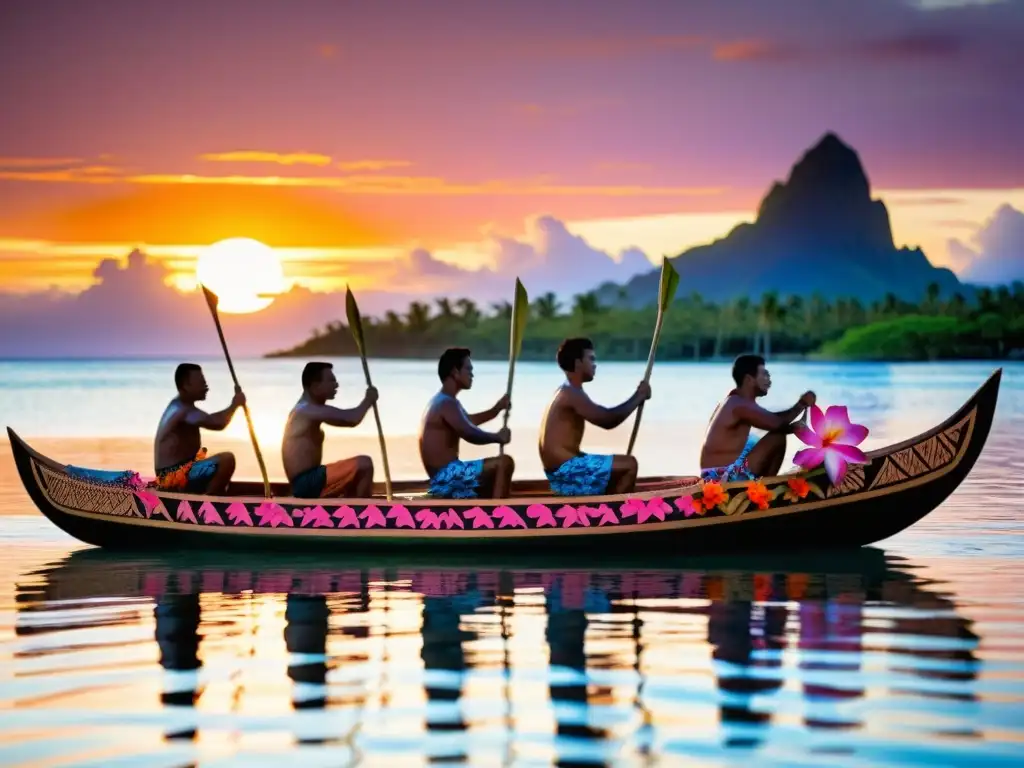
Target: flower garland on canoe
(832, 439)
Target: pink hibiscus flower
(686, 505)
(428, 518)
(372, 516)
(573, 516)
(346, 517)
(508, 518)
(480, 518)
(542, 514)
(185, 513)
(238, 514)
(209, 514)
(273, 514)
(402, 516)
(832, 440)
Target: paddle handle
(245, 407)
(647, 378)
(508, 391)
(380, 431)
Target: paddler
(445, 422)
(570, 471)
(181, 463)
(730, 453)
(302, 448)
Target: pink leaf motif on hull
(372, 516)
(654, 508)
(185, 513)
(686, 505)
(480, 518)
(573, 516)
(238, 514)
(541, 514)
(315, 516)
(401, 516)
(607, 514)
(346, 517)
(451, 519)
(209, 514)
(427, 518)
(150, 501)
(632, 507)
(508, 518)
(273, 514)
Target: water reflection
(779, 658)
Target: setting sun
(242, 272)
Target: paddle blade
(668, 285)
(355, 322)
(520, 314)
(211, 298)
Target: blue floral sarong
(585, 475)
(457, 480)
(738, 470)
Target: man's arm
(770, 421)
(341, 417)
(218, 421)
(607, 418)
(491, 413)
(461, 424)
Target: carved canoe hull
(901, 484)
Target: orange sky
(367, 134)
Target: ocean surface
(910, 652)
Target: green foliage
(992, 326)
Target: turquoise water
(909, 652)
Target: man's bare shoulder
(569, 397)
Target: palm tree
(725, 316)
(985, 300)
(932, 298)
(393, 321)
(418, 317)
(769, 312)
(502, 309)
(586, 304)
(547, 306)
(890, 304)
(469, 312)
(445, 311)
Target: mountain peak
(827, 184)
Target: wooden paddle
(666, 292)
(355, 325)
(520, 313)
(211, 302)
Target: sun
(241, 271)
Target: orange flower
(712, 495)
(798, 489)
(758, 494)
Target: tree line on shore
(989, 326)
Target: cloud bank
(132, 311)
(996, 255)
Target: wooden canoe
(899, 485)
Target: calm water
(911, 652)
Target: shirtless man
(302, 449)
(730, 452)
(569, 471)
(178, 456)
(445, 423)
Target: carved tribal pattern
(72, 493)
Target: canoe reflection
(628, 656)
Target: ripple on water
(154, 662)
